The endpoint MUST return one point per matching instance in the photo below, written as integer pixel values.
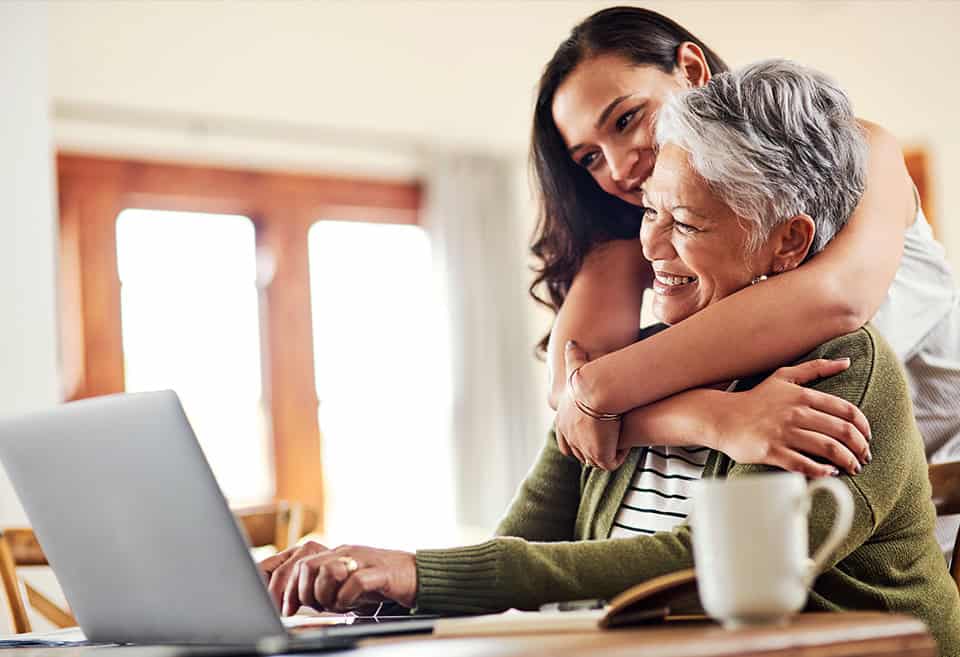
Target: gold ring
(350, 563)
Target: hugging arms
(560, 538)
(560, 541)
(755, 330)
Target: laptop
(139, 534)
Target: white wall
(389, 75)
(28, 342)
(28, 334)
(367, 86)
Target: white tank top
(921, 320)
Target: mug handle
(841, 524)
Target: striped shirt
(658, 498)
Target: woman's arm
(546, 504)
(512, 573)
(835, 293)
(602, 309)
(778, 423)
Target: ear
(692, 64)
(791, 242)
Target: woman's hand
(345, 578)
(783, 424)
(588, 440)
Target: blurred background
(312, 220)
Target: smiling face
(605, 111)
(697, 245)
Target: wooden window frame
(94, 190)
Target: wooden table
(808, 635)
(857, 634)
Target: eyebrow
(675, 208)
(608, 110)
(689, 209)
(604, 115)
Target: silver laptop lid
(133, 523)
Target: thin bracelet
(584, 408)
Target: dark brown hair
(575, 214)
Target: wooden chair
(945, 481)
(19, 547)
(280, 524)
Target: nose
(655, 239)
(629, 166)
(622, 162)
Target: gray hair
(773, 140)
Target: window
(382, 370)
(190, 323)
(197, 278)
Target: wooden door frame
(94, 190)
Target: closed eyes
(649, 214)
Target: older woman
(757, 171)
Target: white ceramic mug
(750, 544)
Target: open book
(659, 599)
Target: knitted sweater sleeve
(545, 506)
(513, 572)
(534, 560)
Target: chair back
(280, 524)
(19, 547)
(945, 482)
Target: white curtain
(480, 246)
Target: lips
(670, 283)
(675, 280)
(669, 278)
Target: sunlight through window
(190, 323)
(382, 370)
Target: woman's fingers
(283, 574)
(305, 583)
(577, 454)
(840, 408)
(819, 368)
(271, 563)
(562, 443)
(327, 584)
(606, 457)
(791, 461)
(621, 456)
(573, 358)
(846, 442)
(291, 593)
(360, 583)
(279, 580)
(823, 445)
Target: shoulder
(860, 347)
(874, 367)
(612, 273)
(857, 346)
(619, 258)
(878, 136)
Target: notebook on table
(669, 597)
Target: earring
(758, 279)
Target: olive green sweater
(553, 542)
